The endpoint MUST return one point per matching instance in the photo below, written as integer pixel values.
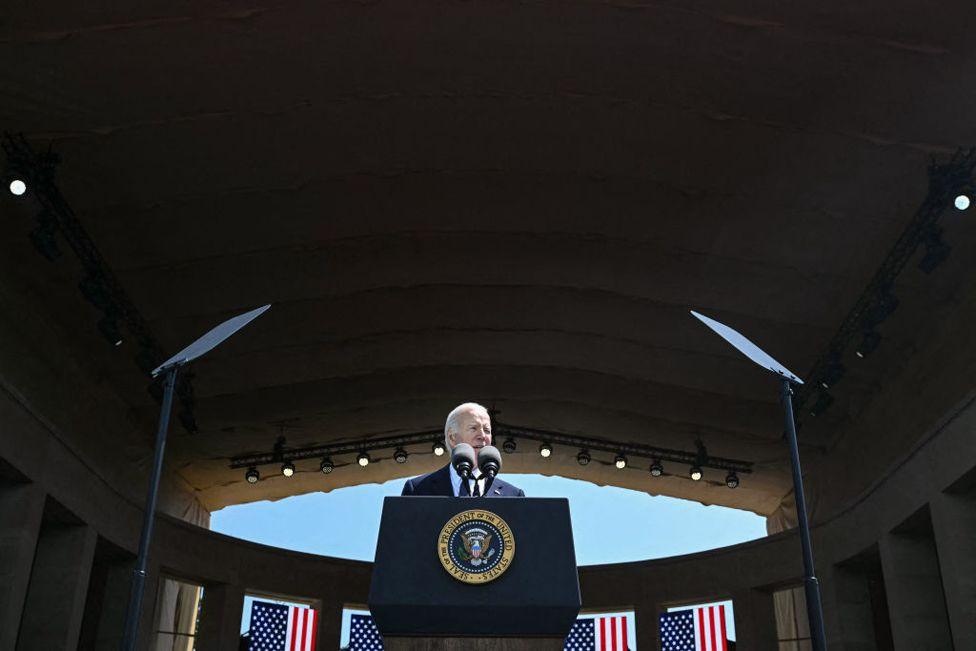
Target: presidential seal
(476, 546)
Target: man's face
(474, 428)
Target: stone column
(755, 620)
(954, 526)
(847, 609)
(55, 602)
(220, 618)
(330, 624)
(21, 510)
(914, 589)
(115, 602)
(647, 617)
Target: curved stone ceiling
(504, 202)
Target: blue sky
(610, 524)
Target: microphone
(489, 462)
(463, 460)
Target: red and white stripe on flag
(710, 628)
(611, 633)
(301, 632)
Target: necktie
(477, 489)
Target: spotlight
(326, 466)
(362, 459)
(438, 448)
(18, 187)
(110, 330)
(832, 374)
(656, 468)
(545, 450)
(252, 475)
(400, 456)
(583, 457)
(43, 236)
(732, 480)
(868, 344)
(695, 474)
(288, 469)
(936, 251)
(823, 402)
(187, 420)
(884, 305)
(620, 461)
(962, 202)
(509, 445)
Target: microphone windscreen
(462, 453)
(489, 456)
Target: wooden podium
(426, 595)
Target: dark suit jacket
(439, 483)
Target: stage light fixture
(936, 250)
(509, 445)
(438, 448)
(732, 480)
(884, 305)
(583, 458)
(695, 473)
(110, 330)
(656, 468)
(362, 459)
(545, 450)
(832, 374)
(18, 187)
(962, 202)
(620, 461)
(326, 466)
(822, 403)
(288, 469)
(868, 344)
(400, 456)
(252, 475)
(44, 239)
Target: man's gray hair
(452, 419)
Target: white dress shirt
(456, 482)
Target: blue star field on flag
(269, 625)
(582, 637)
(363, 634)
(678, 631)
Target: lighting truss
(99, 286)
(699, 456)
(946, 180)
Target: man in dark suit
(468, 423)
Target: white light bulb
(962, 202)
(18, 187)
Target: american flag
(587, 634)
(279, 627)
(363, 634)
(598, 634)
(694, 629)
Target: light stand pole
(139, 574)
(810, 585)
(170, 367)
